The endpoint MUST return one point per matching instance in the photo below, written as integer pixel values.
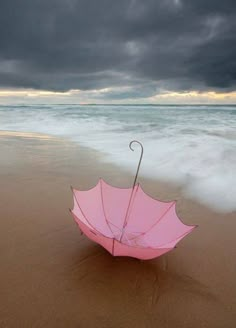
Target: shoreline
(48, 269)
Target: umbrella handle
(140, 159)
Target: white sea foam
(192, 146)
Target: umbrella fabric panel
(145, 211)
(167, 229)
(107, 243)
(174, 242)
(90, 205)
(77, 210)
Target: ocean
(191, 146)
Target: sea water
(192, 146)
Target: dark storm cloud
(85, 44)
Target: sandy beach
(51, 276)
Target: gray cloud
(85, 44)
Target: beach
(51, 276)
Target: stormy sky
(125, 48)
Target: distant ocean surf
(194, 146)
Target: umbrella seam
(159, 220)
(113, 247)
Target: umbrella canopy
(127, 221)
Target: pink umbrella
(127, 221)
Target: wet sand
(51, 276)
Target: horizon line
(118, 104)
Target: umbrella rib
(159, 219)
(103, 208)
(181, 236)
(114, 225)
(84, 214)
(113, 246)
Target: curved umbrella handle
(135, 179)
(140, 160)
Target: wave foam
(192, 146)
